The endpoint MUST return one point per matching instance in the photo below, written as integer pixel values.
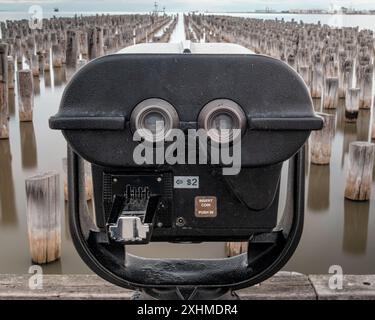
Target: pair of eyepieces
(222, 119)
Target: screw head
(180, 222)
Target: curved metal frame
(268, 254)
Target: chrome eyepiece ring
(154, 119)
(223, 120)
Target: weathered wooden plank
(60, 287)
(284, 285)
(355, 287)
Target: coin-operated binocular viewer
(140, 103)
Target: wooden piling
(321, 141)
(83, 44)
(347, 77)
(305, 74)
(72, 51)
(44, 217)
(317, 81)
(18, 49)
(233, 249)
(4, 107)
(342, 65)
(100, 41)
(359, 174)
(330, 66)
(10, 73)
(25, 95)
(35, 68)
(62, 44)
(331, 93)
(57, 60)
(47, 61)
(352, 104)
(366, 84)
(40, 62)
(92, 47)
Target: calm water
(336, 231)
(337, 20)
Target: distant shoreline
(293, 13)
(208, 12)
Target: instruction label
(205, 207)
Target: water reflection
(66, 220)
(28, 145)
(11, 102)
(363, 125)
(47, 79)
(317, 105)
(59, 76)
(355, 227)
(340, 116)
(53, 268)
(36, 83)
(69, 72)
(319, 185)
(350, 135)
(8, 212)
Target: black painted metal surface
(94, 116)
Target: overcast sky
(181, 5)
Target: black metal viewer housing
(112, 96)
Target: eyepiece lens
(154, 121)
(223, 122)
(154, 118)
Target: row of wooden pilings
(25, 55)
(69, 42)
(166, 35)
(335, 63)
